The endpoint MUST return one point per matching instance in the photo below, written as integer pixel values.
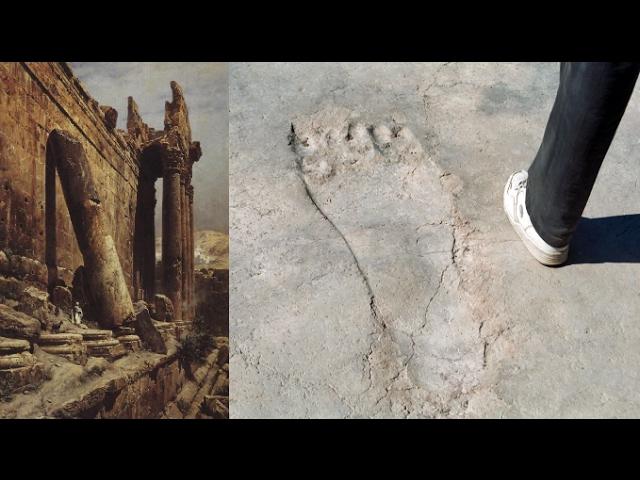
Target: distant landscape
(211, 249)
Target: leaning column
(107, 290)
(172, 230)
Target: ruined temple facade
(74, 188)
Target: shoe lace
(521, 184)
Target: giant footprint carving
(377, 186)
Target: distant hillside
(211, 249)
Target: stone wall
(36, 98)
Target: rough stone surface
(146, 329)
(374, 273)
(16, 324)
(110, 116)
(14, 379)
(163, 308)
(139, 385)
(59, 338)
(94, 334)
(107, 348)
(11, 288)
(62, 298)
(12, 345)
(207, 378)
(16, 360)
(216, 406)
(131, 343)
(66, 345)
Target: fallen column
(108, 292)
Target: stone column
(149, 239)
(192, 282)
(172, 229)
(108, 292)
(195, 152)
(185, 246)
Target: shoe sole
(539, 255)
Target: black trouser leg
(589, 104)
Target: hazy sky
(206, 92)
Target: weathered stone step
(221, 386)
(90, 335)
(74, 352)
(16, 360)
(197, 400)
(164, 326)
(13, 345)
(64, 349)
(108, 348)
(124, 331)
(215, 406)
(16, 324)
(188, 393)
(59, 339)
(131, 343)
(14, 378)
(210, 363)
(66, 345)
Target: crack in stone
(373, 308)
(372, 299)
(435, 76)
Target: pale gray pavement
(395, 286)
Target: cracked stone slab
(373, 271)
(344, 237)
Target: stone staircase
(28, 319)
(206, 394)
(18, 366)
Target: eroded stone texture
(62, 298)
(12, 345)
(110, 116)
(16, 324)
(146, 329)
(163, 308)
(67, 345)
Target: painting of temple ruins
(113, 302)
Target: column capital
(195, 152)
(173, 161)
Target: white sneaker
(515, 192)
